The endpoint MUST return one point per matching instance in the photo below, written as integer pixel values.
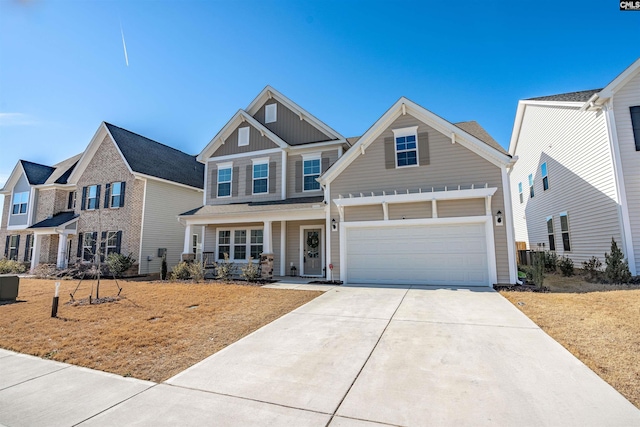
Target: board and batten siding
(289, 127)
(450, 165)
(161, 229)
(256, 142)
(629, 96)
(575, 146)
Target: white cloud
(16, 119)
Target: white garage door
(424, 254)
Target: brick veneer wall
(107, 166)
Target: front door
(312, 255)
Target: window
(520, 192)
(92, 197)
(224, 243)
(545, 178)
(635, 124)
(71, 203)
(88, 246)
(256, 243)
(531, 186)
(240, 244)
(311, 171)
(28, 248)
(14, 243)
(260, 178)
(20, 202)
(552, 238)
(406, 150)
(270, 113)
(243, 136)
(194, 243)
(564, 227)
(111, 245)
(224, 182)
(116, 193)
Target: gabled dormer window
(224, 181)
(243, 136)
(20, 203)
(270, 113)
(406, 146)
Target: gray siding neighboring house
(584, 143)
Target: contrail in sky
(124, 45)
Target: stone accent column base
(266, 262)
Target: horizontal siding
(164, 202)
(332, 155)
(575, 146)
(363, 213)
(451, 165)
(293, 242)
(410, 210)
(289, 127)
(256, 142)
(626, 97)
(453, 208)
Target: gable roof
(56, 220)
(238, 118)
(581, 96)
(268, 93)
(152, 158)
(473, 128)
(36, 173)
(405, 106)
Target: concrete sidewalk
(354, 357)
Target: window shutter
(118, 241)
(84, 198)
(423, 148)
(272, 177)
(98, 196)
(27, 247)
(214, 183)
(17, 245)
(93, 244)
(325, 164)
(107, 193)
(123, 185)
(6, 247)
(103, 246)
(389, 153)
(298, 176)
(249, 186)
(79, 252)
(234, 181)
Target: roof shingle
(581, 96)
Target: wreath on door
(313, 241)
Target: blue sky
(193, 64)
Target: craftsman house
(577, 180)
(415, 200)
(122, 193)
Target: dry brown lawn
(600, 326)
(155, 331)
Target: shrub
(118, 263)
(591, 269)
(617, 270)
(9, 266)
(225, 269)
(566, 266)
(550, 261)
(187, 271)
(163, 271)
(250, 271)
(538, 268)
(45, 271)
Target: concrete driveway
(366, 356)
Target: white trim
(259, 162)
(509, 227)
(206, 184)
(403, 132)
(247, 243)
(283, 248)
(310, 157)
(621, 80)
(283, 173)
(18, 227)
(316, 145)
(242, 155)
(621, 192)
(137, 175)
(244, 136)
(476, 193)
(144, 208)
(327, 249)
(321, 250)
(222, 166)
(258, 216)
(486, 220)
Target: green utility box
(9, 284)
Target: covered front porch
(52, 239)
(288, 235)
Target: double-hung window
(261, 177)
(71, 202)
(531, 194)
(520, 192)
(256, 243)
(240, 243)
(311, 171)
(12, 252)
(545, 178)
(224, 181)
(552, 238)
(116, 194)
(406, 145)
(564, 227)
(224, 243)
(88, 246)
(111, 245)
(92, 197)
(20, 203)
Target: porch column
(62, 251)
(266, 258)
(37, 244)
(267, 241)
(187, 239)
(283, 248)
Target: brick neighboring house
(122, 193)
